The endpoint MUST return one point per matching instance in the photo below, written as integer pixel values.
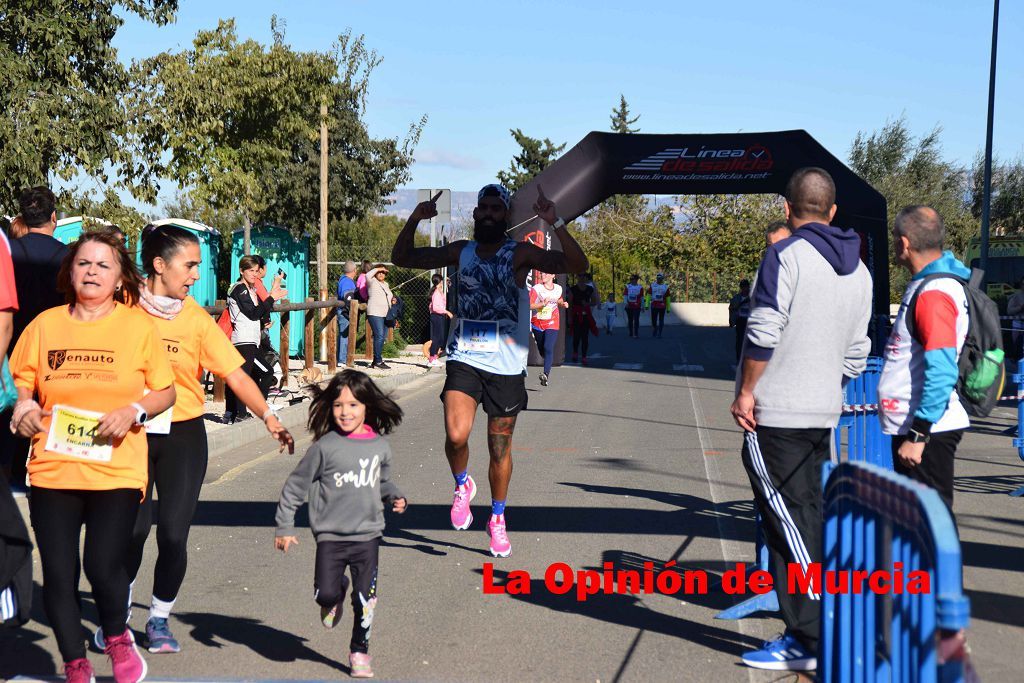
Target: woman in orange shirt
(90, 364)
(178, 451)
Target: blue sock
(461, 478)
(497, 507)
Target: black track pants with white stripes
(784, 466)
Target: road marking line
(730, 549)
(688, 367)
(628, 366)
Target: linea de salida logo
(705, 159)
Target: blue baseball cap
(495, 190)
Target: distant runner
(545, 300)
(659, 292)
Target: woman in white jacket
(247, 311)
(379, 301)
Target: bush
(395, 348)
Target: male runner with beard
(489, 341)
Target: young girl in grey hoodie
(346, 473)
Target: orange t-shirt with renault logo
(194, 341)
(99, 365)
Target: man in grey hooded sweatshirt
(806, 335)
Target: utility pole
(326, 352)
(321, 265)
(986, 192)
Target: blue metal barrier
(861, 430)
(859, 423)
(873, 519)
(1019, 442)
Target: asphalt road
(631, 459)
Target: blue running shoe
(159, 637)
(785, 653)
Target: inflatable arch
(605, 164)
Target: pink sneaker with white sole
(360, 664)
(462, 516)
(500, 545)
(128, 664)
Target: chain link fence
(412, 285)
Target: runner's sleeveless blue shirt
(492, 325)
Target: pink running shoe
(128, 664)
(462, 516)
(500, 545)
(79, 671)
(359, 663)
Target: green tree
(628, 238)
(241, 122)
(724, 234)
(63, 90)
(1006, 212)
(621, 122)
(909, 170)
(111, 208)
(534, 156)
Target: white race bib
(478, 335)
(159, 424)
(73, 432)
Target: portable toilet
(205, 290)
(288, 254)
(69, 229)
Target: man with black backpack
(943, 358)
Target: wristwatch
(920, 431)
(271, 410)
(914, 436)
(140, 414)
(559, 223)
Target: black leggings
(580, 335)
(657, 320)
(57, 518)
(231, 403)
(633, 321)
(177, 464)
(330, 583)
(437, 321)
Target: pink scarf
(159, 306)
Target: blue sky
(555, 69)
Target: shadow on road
(212, 630)
(997, 607)
(631, 612)
(22, 655)
(695, 516)
(632, 418)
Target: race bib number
(546, 312)
(479, 335)
(73, 432)
(159, 424)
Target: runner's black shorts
(502, 395)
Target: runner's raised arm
(405, 254)
(570, 260)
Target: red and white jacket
(920, 374)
